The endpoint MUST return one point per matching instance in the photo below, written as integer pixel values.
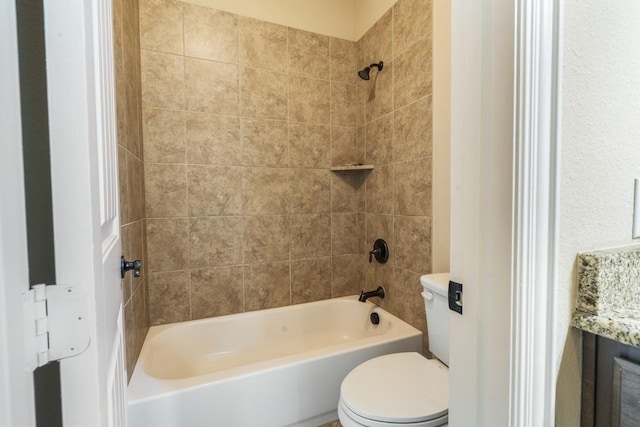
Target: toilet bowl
(404, 389)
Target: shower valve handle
(380, 251)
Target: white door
(79, 52)
(86, 223)
(85, 208)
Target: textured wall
(600, 157)
(441, 157)
(395, 127)
(127, 73)
(242, 120)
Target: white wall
(334, 18)
(441, 135)
(600, 157)
(347, 19)
(367, 13)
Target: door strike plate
(455, 296)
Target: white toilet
(404, 389)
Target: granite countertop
(622, 329)
(609, 294)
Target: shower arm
(378, 66)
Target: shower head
(364, 74)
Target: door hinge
(55, 322)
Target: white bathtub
(277, 367)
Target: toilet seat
(400, 388)
(350, 419)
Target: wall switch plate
(636, 209)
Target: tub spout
(366, 295)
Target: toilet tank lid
(438, 282)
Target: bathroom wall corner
(130, 171)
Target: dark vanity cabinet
(610, 383)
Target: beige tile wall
(242, 120)
(394, 118)
(130, 168)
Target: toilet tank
(436, 305)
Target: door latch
(455, 296)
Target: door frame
(480, 34)
(536, 134)
(534, 361)
(16, 390)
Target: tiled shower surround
(242, 121)
(130, 167)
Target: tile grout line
(186, 169)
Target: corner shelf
(342, 168)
